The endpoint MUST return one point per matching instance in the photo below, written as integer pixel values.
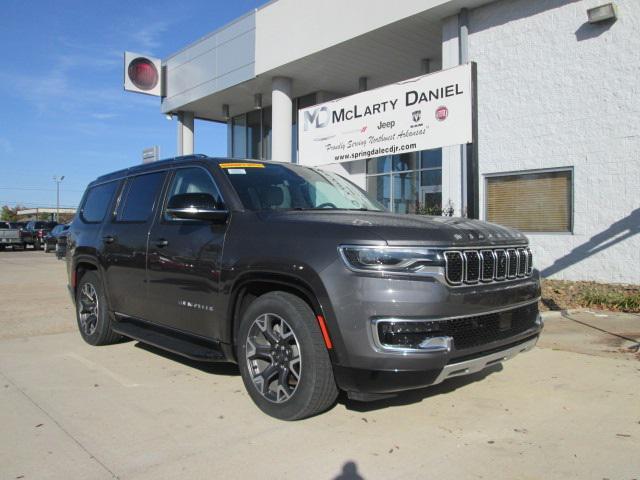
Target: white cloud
(148, 38)
(104, 116)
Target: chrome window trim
(382, 347)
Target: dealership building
(550, 142)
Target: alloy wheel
(273, 357)
(88, 309)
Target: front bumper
(10, 241)
(381, 382)
(456, 316)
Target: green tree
(9, 214)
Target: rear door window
(97, 202)
(140, 195)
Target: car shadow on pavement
(417, 396)
(214, 368)
(402, 398)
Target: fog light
(602, 13)
(419, 335)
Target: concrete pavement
(68, 410)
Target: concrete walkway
(568, 409)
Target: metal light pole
(58, 181)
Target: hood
(401, 229)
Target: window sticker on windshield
(237, 171)
(241, 165)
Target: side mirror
(196, 206)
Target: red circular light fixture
(143, 73)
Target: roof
(147, 167)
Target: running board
(176, 342)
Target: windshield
(267, 186)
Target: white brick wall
(555, 91)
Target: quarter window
(97, 202)
(531, 202)
(139, 197)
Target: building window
(532, 202)
(250, 133)
(407, 183)
(239, 136)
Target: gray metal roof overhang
(385, 55)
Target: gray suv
(296, 275)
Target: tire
(300, 379)
(92, 314)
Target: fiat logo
(442, 113)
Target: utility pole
(58, 181)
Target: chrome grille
(487, 265)
(501, 266)
(454, 267)
(512, 264)
(472, 266)
(529, 261)
(522, 262)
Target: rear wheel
(284, 363)
(94, 320)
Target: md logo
(316, 118)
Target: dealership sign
(421, 113)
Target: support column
(281, 119)
(185, 133)
(451, 156)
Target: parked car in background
(61, 246)
(9, 235)
(35, 232)
(51, 240)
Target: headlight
(407, 260)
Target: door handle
(161, 242)
(109, 239)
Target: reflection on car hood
(400, 229)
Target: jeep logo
(316, 118)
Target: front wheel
(283, 360)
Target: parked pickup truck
(10, 235)
(299, 277)
(35, 232)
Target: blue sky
(64, 111)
